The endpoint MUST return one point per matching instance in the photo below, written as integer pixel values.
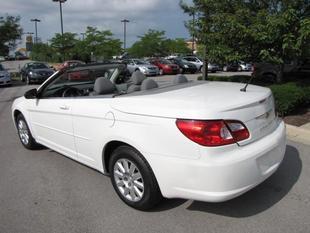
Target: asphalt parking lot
(43, 191)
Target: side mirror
(31, 94)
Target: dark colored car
(35, 72)
(165, 66)
(234, 66)
(185, 66)
(272, 72)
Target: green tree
(100, 44)
(152, 43)
(176, 46)
(43, 52)
(64, 45)
(155, 43)
(10, 31)
(251, 30)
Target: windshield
(141, 62)
(164, 61)
(38, 66)
(1, 67)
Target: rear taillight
(213, 132)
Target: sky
(104, 14)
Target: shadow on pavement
(167, 204)
(263, 196)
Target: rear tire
(24, 133)
(133, 179)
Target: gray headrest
(137, 77)
(180, 78)
(148, 84)
(103, 86)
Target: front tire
(28, 82)
(133, 179)
(24, 133)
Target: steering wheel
(71, 92)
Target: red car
(70, 63)
(165, 66)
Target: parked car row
(175, 65)
(38, 72)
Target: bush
(235, 78)
(289, 97)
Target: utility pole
(61, 21)
(125, 21)
(36, 29)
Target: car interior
(104, 81)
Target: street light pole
(36, 29)
(62, 26)
(125, 21)
(60, 9)
(61, 23)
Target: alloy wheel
(23, 132)
(128, 180)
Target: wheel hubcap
(23, 132)
(129, 180)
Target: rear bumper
(171, 71)
(221, 174)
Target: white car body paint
(81, 127)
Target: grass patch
(290, 96)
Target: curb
(298, 134)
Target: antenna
(246, 85)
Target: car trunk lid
(206, 101)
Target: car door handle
(64, 107)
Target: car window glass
(140, 62)
(39, 66)
(1, 67)
(164, 61)
(189, 59)
(83, 80)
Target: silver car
(243, 66)
(195, 60)
(5, 78)
(141, 65)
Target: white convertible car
(204, 141)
